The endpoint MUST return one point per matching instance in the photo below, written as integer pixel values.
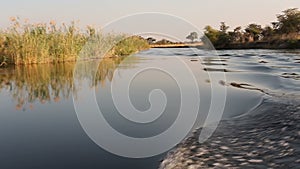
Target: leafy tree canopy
(289, 21)
(192, 36)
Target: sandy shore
(268, 137)
(177, 45)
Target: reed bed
(25, 43)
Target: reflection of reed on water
(50, 82)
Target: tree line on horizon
(287, 28)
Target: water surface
(39, 126)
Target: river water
(40, 128)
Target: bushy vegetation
(25, 43)
(286, 28)
(130, 45)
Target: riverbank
(280, 34)
(178, 45)
(265, 138)
(275, 44)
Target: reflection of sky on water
(48, 133)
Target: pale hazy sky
(101, 12)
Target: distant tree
(268, 32)
(254, 31)
(289, 21)
(217, 37)
(223, 27)
(224, 38)
(237, 34)
(275, 25)
(212, 34)
(164, 41)
(151, 40)
(192, 36)
(237, 29)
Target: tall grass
(25, 43)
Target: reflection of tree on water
(49, 82)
